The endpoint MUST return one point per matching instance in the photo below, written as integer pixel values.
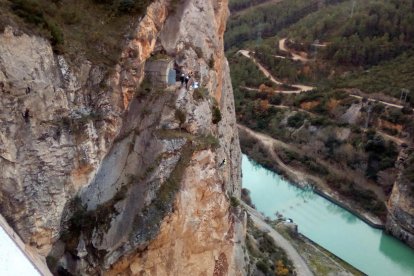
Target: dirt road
(275, 91)
(282, 47)
(300, 177)
(300, 87)
(261, 68)
(398, 141)
(374, 100)
(269, 143)
(243, 11)
(301, 267)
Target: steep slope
(400, 220)
(102, 176)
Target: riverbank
(341, 262)
(271, 161)
(365, 217)
(301, 267)
(321, 260)
(368, 249)
(308, 257)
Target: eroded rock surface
(104, 177)
(400, 219)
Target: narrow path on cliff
(300, 265)
(300, 88)
(13, 251)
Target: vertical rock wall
(204, 235)
(103, 179)
(400, 219)
(57, 123)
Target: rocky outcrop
(400, 220)
(49, 144)
(204, 235)
(104, 176)
(58, 123)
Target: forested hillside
(358, 56)
(238, 5)
(267, 20)
(369, 33)
(357, 37)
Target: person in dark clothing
(26, 115)
(182, 78)
(187, 79)
(222, 163)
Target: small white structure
(16, 258)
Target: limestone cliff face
(400, 220)
(103, 176)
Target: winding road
(303, 178)
(282, 47)
(301, 268)
(269, 143)
(261, 68)
(267, 2)
(304, 88)
(300, 88)
(374, 100)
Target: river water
(334, 228)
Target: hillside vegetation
(350, 129)
(389, 77)
(265, 21)
(374, 32)
(92, 28)
(352, 161)
(238, 5)
(373, 44)
(368, 47)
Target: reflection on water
(331, 226)
(339, 211)
(392, 249)
(306, 194)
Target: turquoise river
(368, 249)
